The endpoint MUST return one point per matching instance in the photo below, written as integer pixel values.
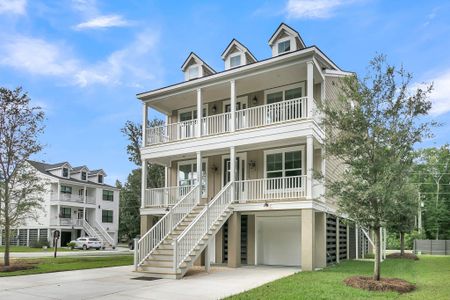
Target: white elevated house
(240, 148)
(77, 203)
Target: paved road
(118, 283)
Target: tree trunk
(377, 262)
(402, 243)
(7, 243)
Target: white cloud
(440, 95)
(133, 65)
(17, 7)
(103, 22)
(313, 9)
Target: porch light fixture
(252, 164)
(214, 108)
(255, 100)
(167, 209)
(99, 206)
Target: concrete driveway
(120, 283)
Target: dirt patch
(383, 285)
(404, 256)
(17, 266)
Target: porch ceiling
(263, 80)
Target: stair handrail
(104, 233)
(185, 243)
(155, 235)
(87, 227)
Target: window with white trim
(187, 175)
(284, 163)
(284, 46)
(235, 61)
(193, 72)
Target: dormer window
(65, 172)
(83, 175)
(284, 46)
(193, 72)
(235, 61)
(100, 178)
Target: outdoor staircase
(97, 231)
(178, 248)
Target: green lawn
(431, 274)
(50, 264)
(29, 249)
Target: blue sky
(83, 61)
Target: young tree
(371, 130)
(130, 195)
(20, 188)
(403, 213)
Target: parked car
(86, 243)
(131, 243)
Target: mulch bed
(17, 266)
(383, 285)
(405, 256)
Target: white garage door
(278, 241)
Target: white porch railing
(67, 197)
(273, 189)
(151, 240)
(67, 222)
(273, 113)
(172, 132)
(199, 227)
(263, 115)
(216, 124)
(90, 200)
(163, 197)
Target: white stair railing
(199, 227)
(153, 238)
(263, 189)
(163, 197)
(88, 228)
(104, 233)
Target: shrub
(71, 245)
(39, 244)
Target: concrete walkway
(119, 283)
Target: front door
(240, 171)
(241, 105)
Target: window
(83, 175)
(65, 172)
(193, 72)
(65, 213)
(81, 192)
(284, 46)
(66, 189)
(100, 178)
(108, 195)
(187, 175)
(284, 163)
(235, 61)
(107, 216)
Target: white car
(86, 243)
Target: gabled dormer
(62, 169)
(194, 67)
(97, 176)
(236, 54)
(284, 40)
(80, 173)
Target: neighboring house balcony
(73, 194)
(72, 198)
(67, 222)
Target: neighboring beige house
(76, 202)
(239, 175)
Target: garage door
(278, 241)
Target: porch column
(310, 87)
(144, 124)
(199, 174)
(232, 169)
(321, 240)
(233, 105)
(146, 223)
(234, 240)
(166, 177)
(143, 182)
(199, 112)
(308, 245)
(309, 166)
(323, 171)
